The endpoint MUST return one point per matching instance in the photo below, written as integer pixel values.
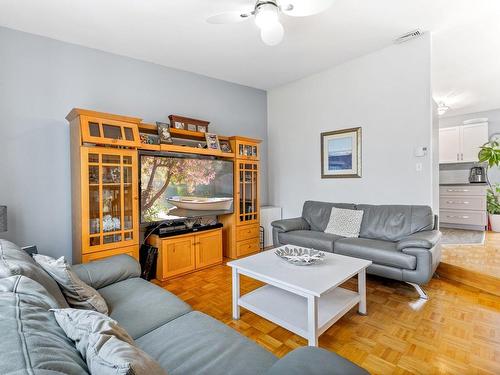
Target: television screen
(176, 187)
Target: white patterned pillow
(344, 222)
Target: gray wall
(42, 79)
(453, 170)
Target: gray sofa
(403, 242)
(183, 341)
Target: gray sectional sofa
(183, 341)
(402, 241)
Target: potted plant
(490, 154)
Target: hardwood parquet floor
(457, 331)
(479, 258)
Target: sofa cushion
(379, 252)
(107, 347)
(77, 293)
(199, 344)
(32, 340)
(15, 261)
(314, 361)
(140, 306)
(307, 238)
(317, 214)
(107, 271)
(393, 222)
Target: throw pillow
(344, 222)
(14, 261)
(77, 293)
(107, 347)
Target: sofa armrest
(314, 361)
(424, 240)
(288, 225)
(101, 273)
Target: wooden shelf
(195, 150)
(177, 133)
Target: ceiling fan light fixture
(272, 35)
(266, 15)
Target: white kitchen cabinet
(460, 144)
(449, 145)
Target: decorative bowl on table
(300, 256)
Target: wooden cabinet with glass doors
(104, 187)
(241, 230)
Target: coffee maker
(477, 174)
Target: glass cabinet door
(111, 191)
(248, 192)
(247, 150)
(109, 132)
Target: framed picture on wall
(341, 153)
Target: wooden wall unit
(242, 229)
(105, 212)
(178, 255)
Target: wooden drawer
(462, 217)
(129, 250)
(463, 203)
(247, 247)
(247, 232)
(461, 190)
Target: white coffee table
(306, 300)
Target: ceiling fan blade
(227, 17)
(302, 8)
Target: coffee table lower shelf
(290, 310)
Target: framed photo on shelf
(164, 132)
(225, 146)
(191, 127)
(341, 153)
(212, 141)
(178, 125)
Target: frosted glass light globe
(266, 16)
(272, 35)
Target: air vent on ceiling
(408, 36)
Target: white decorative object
(344, 222)
(299, 256)
(203, 204)
(304, 300)
(110, 223)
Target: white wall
(388, 94)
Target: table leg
(362, 292)
(312, 320)
(236, 294)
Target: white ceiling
(466, 43)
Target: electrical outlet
(418, 167)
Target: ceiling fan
(267, 16)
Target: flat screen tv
(175, 187)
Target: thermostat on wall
(420, 151)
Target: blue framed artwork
(341, 153)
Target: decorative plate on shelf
(300, 256)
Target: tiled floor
(456, 332)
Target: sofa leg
(420, 290)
